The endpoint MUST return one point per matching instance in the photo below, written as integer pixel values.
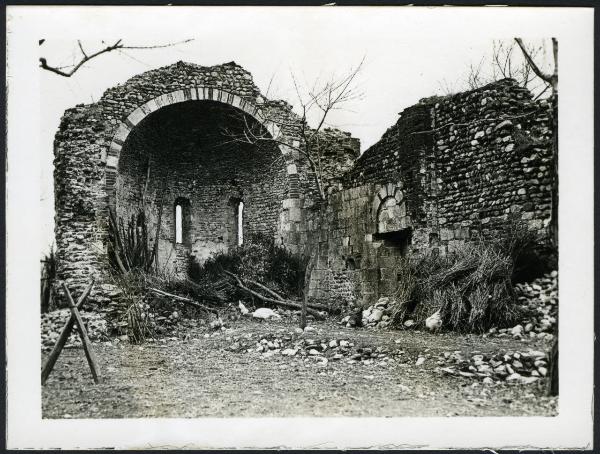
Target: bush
(259, 259)
(137, 304)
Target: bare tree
(551, 81)
(475, 77)
(505, 65)
(317, 103)
(69, 70)
(505, 62)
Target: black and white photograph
(299, 227)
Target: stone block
(236, 101)
(136, 116)
(295, 214)
(177, 96)
(122, 133)
(527, 216)
(112, 161)
(291, 203)
(162, 101)
(390, 189)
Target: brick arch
(198, 93)
(385, 192)
(381, 198)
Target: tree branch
(159, 46)
(187, 301)
(550, 79)
(277, 302)
(85, 57)
(326, 98)
(81, 48)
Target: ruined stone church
(449, 170)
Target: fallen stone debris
(265, 313)
(517, 367)
(538, 302)
(53, 322)
(377, 315)
(307, 346)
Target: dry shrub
(133, 311)
(128, 244)
(258, 259)
(404, 298)
(472, 288)
(47, 281)
(138, 302)
(206, 292)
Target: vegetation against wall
(471, 289)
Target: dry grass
(133, 307)
(471, 288)
(404, 297)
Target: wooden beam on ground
(64, 336)
(284, 303)
(183, 300)
(319, 307)
(87, 345)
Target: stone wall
(182, 153)
(272, 181)
(493, 159)
(80, 152)
(337, 151)
(450, 170)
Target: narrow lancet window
(178, 224)
(240, 223)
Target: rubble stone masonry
(166, 135)
(449, 170)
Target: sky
(409, 54)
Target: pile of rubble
(377, 315)
(519, 367)
(53, 322)
(304, 347)
(538, 302)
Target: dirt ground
(196, 374)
